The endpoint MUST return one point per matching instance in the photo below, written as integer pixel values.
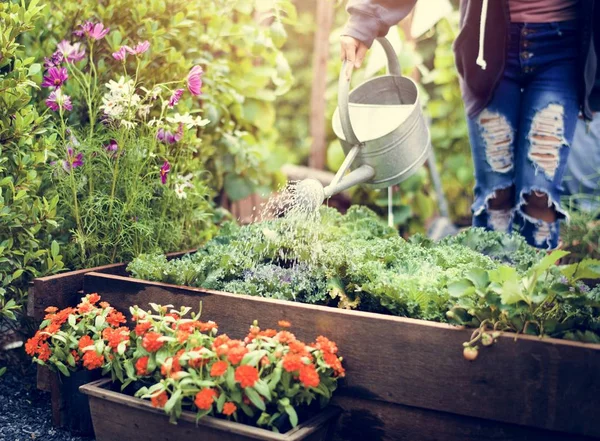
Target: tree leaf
(255, 398)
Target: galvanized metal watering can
(381, 128)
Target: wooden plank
(318, 104)
(119, 416)
(379, 421)
(411, 362)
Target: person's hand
(353, 51)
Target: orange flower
(141, 366)
(52, 328)
(309, 376)
(205, 398)
(229, 408)
(220, 341)
(150, 342)
(206, 326)
(115, 319)
(31, 346)
(334, 363)
(75, 355)
(51, 309)
(142, 328)
(326, 345)
(292, 362)
(160, 399)
(92, 360)
(85, 341)
(84, 308)
(285, 337)
(93, 298)
(284, 324)
(116, 336)
(104, 305)
(44, 352)
(236, 354)
(265, 361)
(246, 375)
(182, 336)
(198, 362)
(297, 347)
(218, 369)
(270, 333)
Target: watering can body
(381, 128)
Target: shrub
(27, 217)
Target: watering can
(382, 131)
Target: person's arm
(368, 20)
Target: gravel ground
(25, 412)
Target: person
(526, 68)
(582, 178)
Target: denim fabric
(521, 139)
(582, 178)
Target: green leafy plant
(354, 261)
(130, 173)
(237, 42)
(27, 216)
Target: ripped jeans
(520, 142)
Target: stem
(94, 76)
(71, 173)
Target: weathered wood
(379, 421)
(119, 416)
(324, 17)
(548, 384)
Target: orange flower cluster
(92, 360)
(246, 375)
(116, 336)
(150, 342)
(229, 408)
(205, 398)
(141, 366)
(160, 399)
(219, 368)
(329, 350)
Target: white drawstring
(481, 55)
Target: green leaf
(72, 321)
(255, 398)
(221, 402)
(172, 401)
(292, 414)
(54, 249)
(2, 370)
(511, 292)
(237, 187)
(62, 368)
(548, 261)
(263, 389)
(479, 277)
(461, 288)
(100, 320)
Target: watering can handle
(344, 89)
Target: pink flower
(54, 61)
(120, 54)
(142, 47)
(112, 148)
(71, 52)
(55, 77)
(175, 97)
(167, 137)
(91, 30)
(72, 161)
(194, 80)
(164, 171)
(57, 101)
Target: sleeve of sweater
(370, 19)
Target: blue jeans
(520, 142)
(582, 178)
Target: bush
(27, 218)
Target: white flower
(188, 120)
(180, 191)
(128, 124)
(200, 122)
(122, 87)
(144, 110)
(153, 122)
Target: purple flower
(112, 146)
(194, 80)
(73, 161)
(121, 54)
(54, 61)
(142, 47)
(167, 137)
(57, 101)
(91, 30)
(55, 77)
(164, 172)
(71, 52)
(175, 97)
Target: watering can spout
(360, 175)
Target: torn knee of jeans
(498, 137)
(500, 220)
(546, 138)
(541, 232)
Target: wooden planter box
(407, 379)
(119, 416)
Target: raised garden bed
(406, 379)
(120, 416)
